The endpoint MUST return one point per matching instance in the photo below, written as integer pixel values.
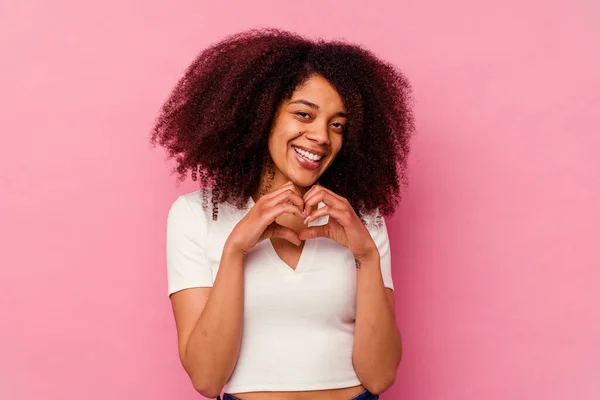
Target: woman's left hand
(344, 226)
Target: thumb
(274, 230)
(314, 232)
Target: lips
(306, 162)
(314, 152)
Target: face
(307, 132)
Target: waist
(299, 363)
(350, 393)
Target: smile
(307, 155)
(306, 159)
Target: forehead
(318, 90)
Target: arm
(209, 326)
(377, 342)
(209, 316)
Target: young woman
(279, 268)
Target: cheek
(271, 144)
(278, 145)
(336, 146)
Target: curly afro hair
(216, 122)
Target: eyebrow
(316, 107)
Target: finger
(312, 189)
(341, 216)
(319, 188)
(282, 188)
(314, 232)
(295, 189)
(278, 231)
(274, 212)
(291, 185)
(288, 196)
(325, 197)
(311, 192)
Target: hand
(259, 223)
(344, 226)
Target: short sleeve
(187, 266)
(378, 229)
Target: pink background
(495, 246)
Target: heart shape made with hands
(332, 229)
(344, 227)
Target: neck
(270, 183)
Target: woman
(279, 268)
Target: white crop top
(298, 325)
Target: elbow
(206, 389)
(207, 384)
(379, 381)
(380, 385)
(204, 380)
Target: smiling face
(307, 133)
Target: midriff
(329, 394)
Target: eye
(339, 126)
(303, 114)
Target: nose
(319, 135)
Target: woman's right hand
(259, 223)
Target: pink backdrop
(495, 245)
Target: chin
(303, 177)
(303, 181)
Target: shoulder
(198, 206)
(191, 205)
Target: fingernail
(306, 219)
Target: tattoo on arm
(357, 263)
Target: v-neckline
(303, 254)
(307, 253)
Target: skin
(209, 320)
(313, 119)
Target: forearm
(212, 349)
(377, 343)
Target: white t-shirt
(298, 325)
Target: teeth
(306, 154)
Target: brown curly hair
(217, 121)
